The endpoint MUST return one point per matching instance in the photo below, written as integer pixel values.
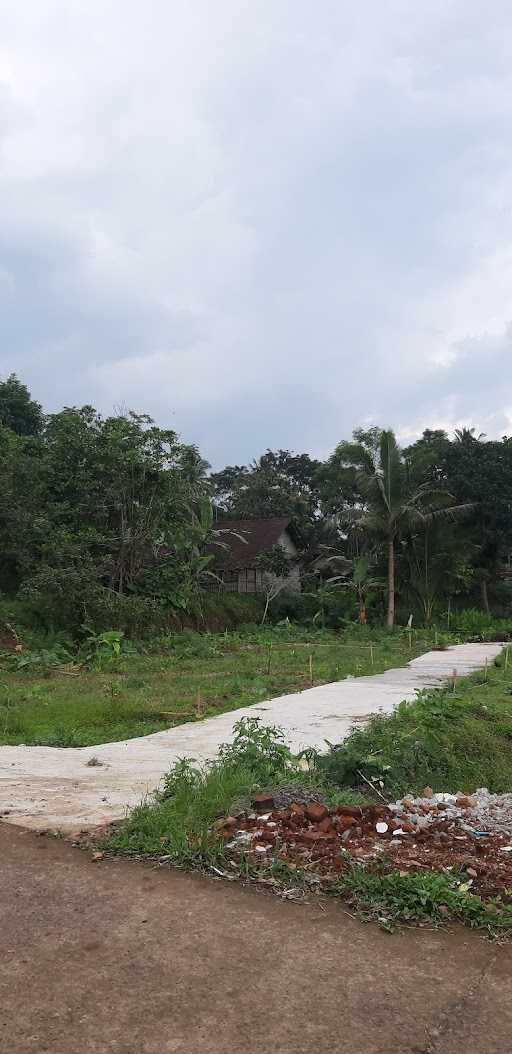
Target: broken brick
(349, 810)
(263, 802)
(316, 812)
(326, 824)
(346, 822)
(313, 836)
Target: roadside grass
(177, 822)
(385, 895)
(53, 700)
(449, 740)
(179, 827)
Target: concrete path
(121, 958)
(49, 787)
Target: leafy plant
(258, 748)
(42, 659)
(108, 643)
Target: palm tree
(467, 435)
(350, 574)
(390, 506)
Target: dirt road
(118, 958)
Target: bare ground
(118, 957)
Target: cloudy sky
(262, 221)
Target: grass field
(184, 677)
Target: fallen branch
(370, 784)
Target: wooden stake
(410, 640)
(269, 663)
(506, 658)
(199, 704)
(371, 654)
(311, 668)
(454, 679)
(486, 669)
(435, 637)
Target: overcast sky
(264, 222)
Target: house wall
(250, 579)
(293, 580)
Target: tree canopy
(102, 513)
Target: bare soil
(121, 958)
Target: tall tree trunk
(485, 596)
(390, 618)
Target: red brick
(263, 802)
(316, 812)
(349, 810)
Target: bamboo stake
(371, 654)
(454, 679)
(486, 668)
(311, 668)
(269, 663)
(506, 658)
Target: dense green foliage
(114, 522)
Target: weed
(448, 740)
(390, 897)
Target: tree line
(113, 518)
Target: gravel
(477, 812)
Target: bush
(473, 624)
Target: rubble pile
(438, 832)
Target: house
(241, 544)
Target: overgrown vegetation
(179, 821)
(182, 825)
(453, 738)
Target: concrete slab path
(49, 787)
(120, 958)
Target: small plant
(183, 776)
(107, 644)
(390, 897)
(43, 659)
(259, 748)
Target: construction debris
(438, 832)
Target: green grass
(444, 739)
(390, 897)
(187, 675)
(178, 826)
(177, 822)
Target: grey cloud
(263, 224)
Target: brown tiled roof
(255, 537)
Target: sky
(263, 222)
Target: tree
(275, 565)
(437, 562)
(280, 483)
(390, 505)
(18, 411)
(480, 473)
(352, 575)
